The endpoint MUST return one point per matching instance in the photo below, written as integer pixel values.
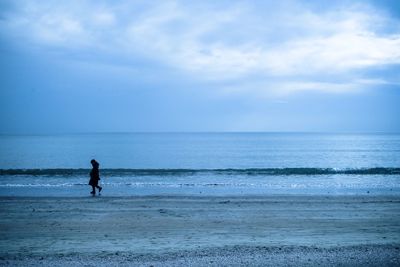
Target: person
(94, 177)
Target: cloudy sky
(121, 66)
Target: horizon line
(197, 132)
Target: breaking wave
(180, 172)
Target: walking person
(94, 177)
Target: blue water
(201, 163)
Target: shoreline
(150, 230)
(360, 255)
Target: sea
(196, 164)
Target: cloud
(341, 52)
(224, 42)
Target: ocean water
(201, 164)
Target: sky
(177, 66)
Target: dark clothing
(94, 176)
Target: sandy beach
(212, 231)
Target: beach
(201, 199)
(218, 133)
(166, 230)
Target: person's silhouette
(94, 177)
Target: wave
(183, 172)
(150, 184)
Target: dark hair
(95, 164)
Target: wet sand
(216, 231)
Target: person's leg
(99, 187)
(93, 190)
